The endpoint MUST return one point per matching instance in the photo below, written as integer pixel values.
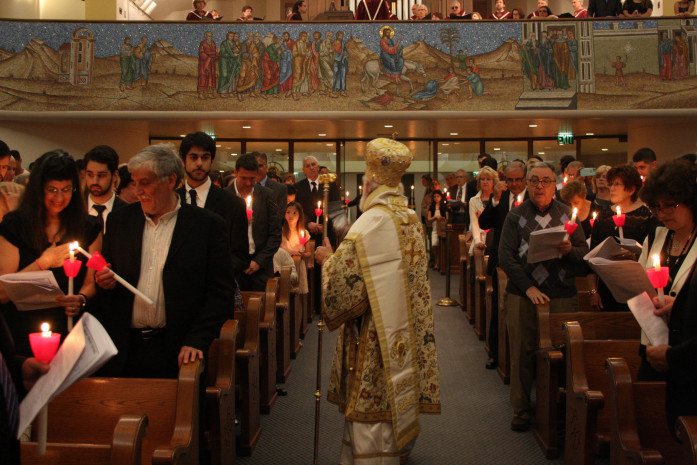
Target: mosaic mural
(444, 66)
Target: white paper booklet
(653, 326)
(543, 244)
(32, 290)
(84, 351)
(613, 246)
(624, 278)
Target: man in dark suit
(197, 152)
(308, 193)
(178, 256)
(101, 176)
(459, 204)
(505, 196)
(280, 190)
(17, 374)
(264, 230)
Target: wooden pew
(220, 395)
(466, 290)
(587, 387)
(247, 374)
(285, 324)
(454, 229)
(81, 422)
(686, 431)
(551, 363)
(488, 304)
(267, 343)
(298, 317)
(639, 430)
(311, 270)
(504, 368)
(479, 294)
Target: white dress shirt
(201, 192)
(156, 241)
(109, 204)
(252, 249)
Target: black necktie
(100, 214)
(314, 186)
(192, 194)
(8, 390)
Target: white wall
(19, 9)
(33, 139)
(670, 140)
(62, 9)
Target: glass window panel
(593, 155)
(507, 150)
(550, 151)
(276, 154)
(456, 155)
(323, 151)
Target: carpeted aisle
(473, 427)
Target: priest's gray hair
(160, 158)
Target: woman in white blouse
(486, 180)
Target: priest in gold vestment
(375, 290)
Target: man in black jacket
(264, 230)
(279, 190)
(197, 152)
(604, 8)
(101, 170)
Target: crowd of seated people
(376, 10)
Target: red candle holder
(96, 262)
(592, 221)
(570, 227)
(44, 347)
(619, 220)
(659, 279)
(347, 201)
(72, 268)
(318, 212)
(250, 212)
(302, 240)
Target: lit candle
(447, 194)
(565, 179)
(302, 239)
(659, 278)
(519, 200)
(595, 214)
(346, 199)
(318, 210)
(44, 345)
(619, 219)
(71, 268)
(411, 198)
(250, 212)
(98, 263)
(571, 225)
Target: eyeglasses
(514, 180)
(454, 7)
(544, 182)
(668, 208)
(53, 191)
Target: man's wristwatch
(593, 291)
(83, 304)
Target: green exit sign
(565, 138)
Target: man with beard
(197, 152)
(101, 169)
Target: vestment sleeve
(344, 295)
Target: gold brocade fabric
(358, 382)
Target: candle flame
(74, 246)
(595, 214)
(619, 211)
(412, 187)
(249, 202)
(302, 233)
(657, 262)
(347, 194)
(44, 327)
(319, 205)
(520, 198)
(575, 211)
(565, 179)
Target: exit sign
(565, 138)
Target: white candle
(520, 198)
(565, 179)
(573, 216)
(619, 211)
(347, 194)
(319, 205)
(657, 263)
(595, 214)
(249, 202)
(45, 330)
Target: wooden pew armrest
(687, 432)
(128, 440)
(594, 399)
(185, 433)
(544, 330)
(224, 378)
(555, 358)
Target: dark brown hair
(629, 176)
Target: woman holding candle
(36, 237)
(670, 192)
(624, 182)
(294, 239)
(486, 180)
(574, 193)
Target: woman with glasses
(601, 189)
(625, 183)
(670, 192)
(36, 237)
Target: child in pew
(292, 231)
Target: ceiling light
(246, 127)
(389, 126)
(532, 125)
(604, 150)
(321, 135)
(439, 153)
(279, 150)
(182, 135)
(497, 148)
(540, 153)
(456, 143)
(233, 154)
(330, 145)
(454, 134)
(218, 145)
(590, 134)
(444, 144)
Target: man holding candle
(101, 171)
(264, 227)
(179, 256)
(197, 152)
(507, 195)
(532, 284)
(376, 292)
